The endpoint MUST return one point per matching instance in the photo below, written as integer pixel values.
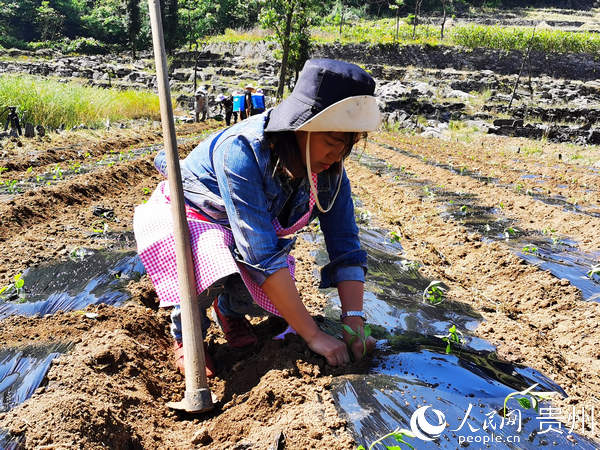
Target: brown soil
(110, 389)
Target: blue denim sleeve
(347, 260)
(241, 186)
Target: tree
(395, 5)
(134, 24)
(170, 19)
(444, 2)
(288, 18)
(418, 4)
(49, 21)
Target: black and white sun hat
(330, 95)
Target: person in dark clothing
(227, 105)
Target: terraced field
(512, 236)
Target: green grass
(383, 31)
(518, 38)
(50, 103)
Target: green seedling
(453, 337)
(399, 434)
(519, 187)
(428, 191)
(595, 270)
(501, 205)
(75, 167)
(395, 236)
(533, 402)
(464, 209)
(146, 190)
(434, 293)
(509, 231)
(57, 171)
(531, 249)
(3, 169)
(100, 226)
(11, 186)
(29, 169)
(17, 285)
(355, 335)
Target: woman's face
(326, 148)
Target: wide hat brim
(351, 114)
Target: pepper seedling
(595, 270)
(399, 434)
(17, 285)
(434, 293)
(395, 236)
(355, 335)
(533, 402)
(453, 336)
(532, 249)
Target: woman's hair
(285, 154)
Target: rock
(202, 437)
(29, 130)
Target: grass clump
(518, 38)
(52, 104)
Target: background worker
(200, 104)
(248, 100)
(258, 102)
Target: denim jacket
(229, 178)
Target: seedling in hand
(356, 335)
(533, 402)
(434, 293)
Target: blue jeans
(234, 301)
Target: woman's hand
(334, 350)
(356, 346)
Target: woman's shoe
(178, 351)
(237, 330)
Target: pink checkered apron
(210, 242)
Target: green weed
(53, 104)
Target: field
(506, 227)
(534, 318)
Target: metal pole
(197, 395)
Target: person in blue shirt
(247, 189)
